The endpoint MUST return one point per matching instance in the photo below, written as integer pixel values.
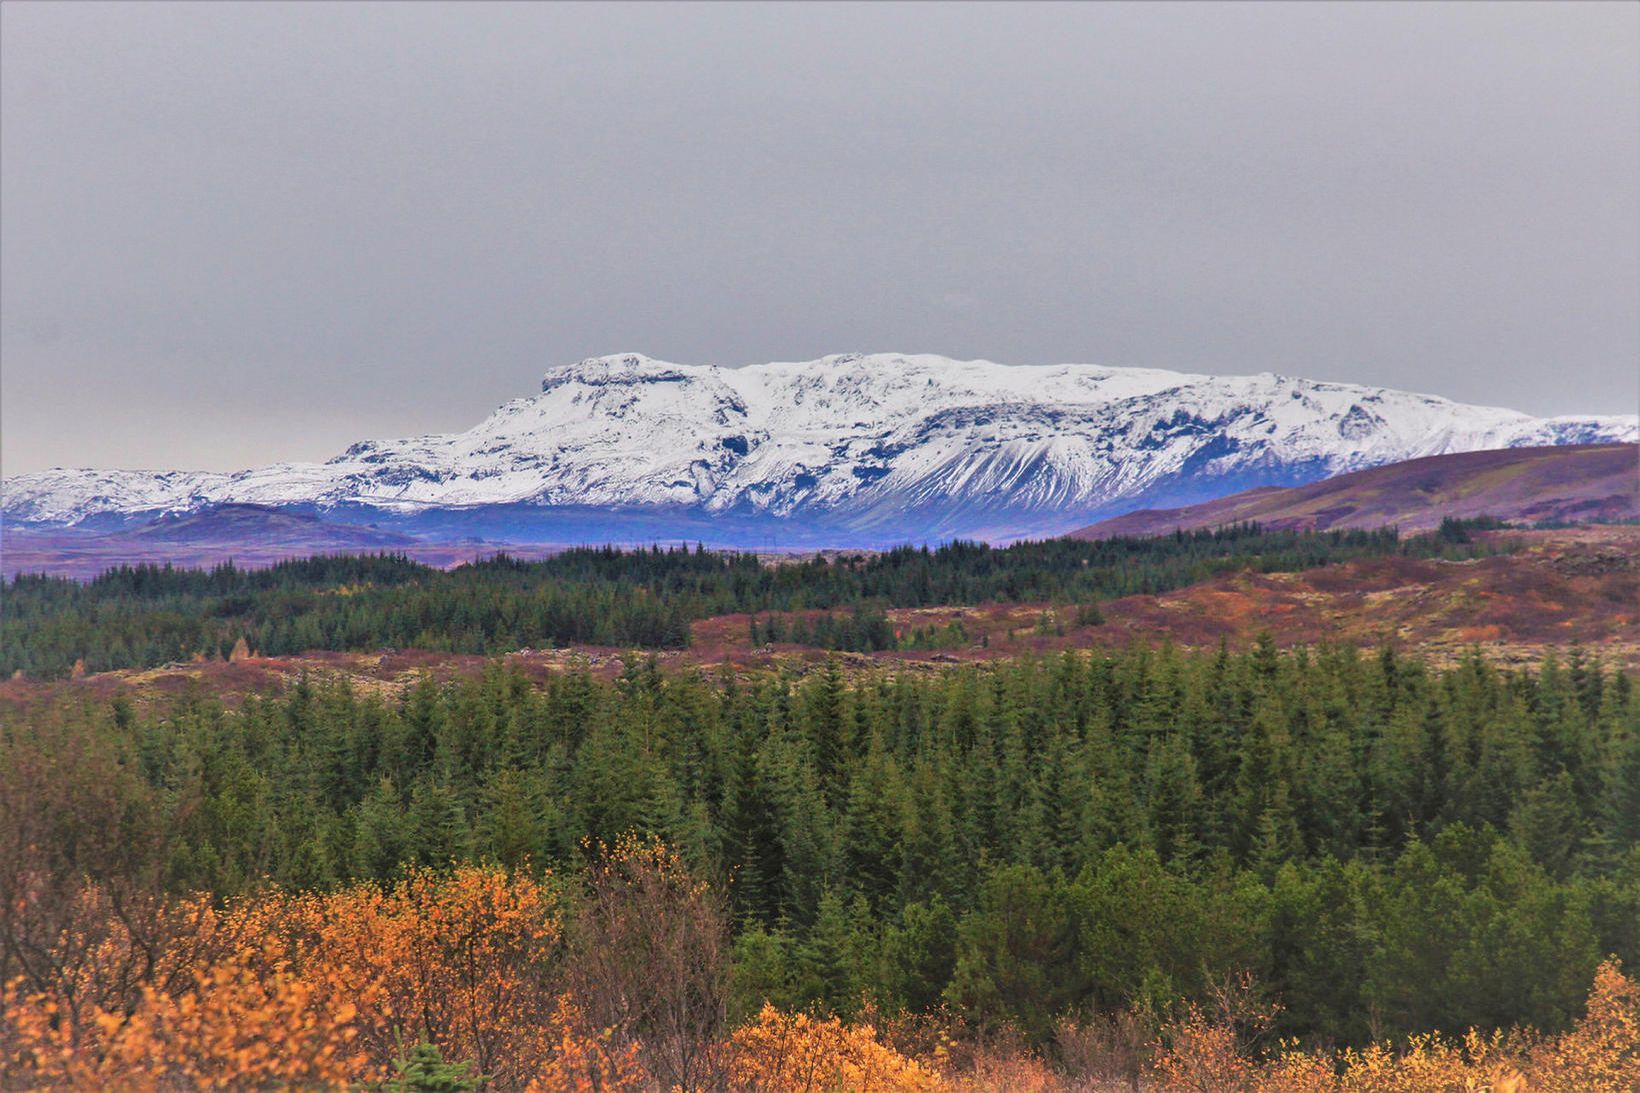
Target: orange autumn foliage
(307, 989)
(796, 1053)
(1009, 1072)
(1432, 1062)
(234, 1024)
(146, 996)
(584, 1061)
(459, 959)
(327, 990)
(1600, 1054)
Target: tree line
(146, 615)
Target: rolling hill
(1581, 483)
(235, 523)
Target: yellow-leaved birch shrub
(306, 989)
(1600, 1054)
(797, 1053)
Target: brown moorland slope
(1579, 483)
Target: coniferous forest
(1040, 852)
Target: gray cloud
(239, 233)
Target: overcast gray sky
(236, 233)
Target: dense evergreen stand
(1388, 846)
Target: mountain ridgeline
(851, 451)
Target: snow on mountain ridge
(857, 441)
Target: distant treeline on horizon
(146, 615)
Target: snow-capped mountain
(847, 450)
